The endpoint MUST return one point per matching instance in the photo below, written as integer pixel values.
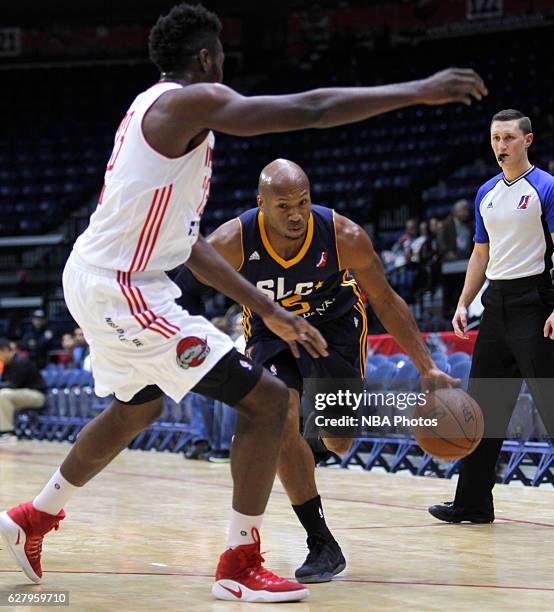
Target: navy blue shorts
(346, 337)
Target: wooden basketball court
(146, 534)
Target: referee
(514, 217)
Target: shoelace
(253, 561)
(34, 544)
(256, 570)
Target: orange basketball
(459, 424)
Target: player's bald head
(284, 198)
(282, 177)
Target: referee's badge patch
(192, 352)
(523, 202)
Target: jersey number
(294, 300)
(119, 139)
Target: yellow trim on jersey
(247, 322)
(241, 246)
(286, 263)
(336, 241)
(363, 337)
(359, 306)
(351, 283)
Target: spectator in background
(80, 350)
(455, 240)
(39, 341)
(22, 385)
(402, 248)
(68, 346)
(429, 255)
(419, 244)
(64, 355)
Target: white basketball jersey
(148, 214)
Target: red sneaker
(23, 529)
(240, 577)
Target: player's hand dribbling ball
(459, 426)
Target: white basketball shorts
(138, 335)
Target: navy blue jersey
(313, 284)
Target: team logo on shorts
(191, 352)
(246, 364)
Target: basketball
(459, 427)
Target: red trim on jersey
(133, 295)
(120, 280)
(143, 136)
(152, 223)
(160, 219)
(101, 194)
(139, 293)
(169, 331)
(137, 250)
(159, 331)
(176, 327)
(148, 225)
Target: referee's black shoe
(324, 561)
(450, 513)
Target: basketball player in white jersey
(147, 221)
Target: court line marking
(412, 526)
(354, 580)
(215, 485)
(446, 584)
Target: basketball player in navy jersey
(300, 255)
(156, 188)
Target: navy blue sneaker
(324, 561)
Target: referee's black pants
(510, 346)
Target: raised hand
(452, 85)
(294, 329)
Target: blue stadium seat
(85, 379)
(406, 378)
(442, 362)
(461, 370)
(376, 360)
(369, 370)
(381, 377)
(397, 357)
(458, 357)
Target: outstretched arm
(356, 253)
(181, 114)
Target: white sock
(240, 528)
(55, 494)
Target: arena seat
(461, 370)
(406, 378)
(458, 358)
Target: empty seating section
(55, 164)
